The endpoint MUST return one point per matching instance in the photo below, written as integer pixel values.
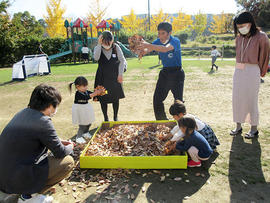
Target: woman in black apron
(111, 63)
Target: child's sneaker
(87, 135)
(80, 140)
(192, 163)
(38, 198)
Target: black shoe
(236, 132)
(106, 119)
(217, 68)
(115, 119)
(251, 135)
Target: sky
(118, 8)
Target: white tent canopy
(31, 65)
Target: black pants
(169, 79)
(104, 108)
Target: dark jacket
(23, 142)
(198, 141)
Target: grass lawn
(239, 173)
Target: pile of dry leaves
(130, 140)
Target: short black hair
(177, 107)
(165, 26)
(43, 96)
(242, 18)
(214, 47)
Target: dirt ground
(239, 172)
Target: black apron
(106, 75)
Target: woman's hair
(78, 81)
(43, 96)
(107, 37)
(189, 123)
(242, 18)
(165, 26)
(177, 107)
(214, 47)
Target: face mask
(106, 47)
(244, 30)
(53, 114)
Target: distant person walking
(214, 55)
(252, 57)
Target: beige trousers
(58, 170)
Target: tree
(199, 23)
(218, 24)
(131, 23)
(96, 14)
(181, 22)
(259, 8)
(25, 24)
(156, 19)
(55, 19)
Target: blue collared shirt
(171, 58)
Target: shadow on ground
(246, 177)
(167, 191)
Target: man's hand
(66, 143)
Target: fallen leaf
(197, 174)
(167, 174)
(74, 189)
(187, 181)
(186, 197)
(162, 178)
(156, 171)
(177, 178)
(145, 174)
(135, 185)
(243, 181)
(132, 196)
(202, 175)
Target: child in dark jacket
(193, 142)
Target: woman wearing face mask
(111, 64)
(252, 57)
(25, 166)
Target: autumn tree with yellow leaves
(181, 22)
(158, 18)
(55, 19)
(222, 23)
(199, 23)
(96, 14)
(131, 23)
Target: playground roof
(78, 22)
(103, 23)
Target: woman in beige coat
(252, 57)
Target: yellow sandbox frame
(132, 162)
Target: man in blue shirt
(172, 76)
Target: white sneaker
(80, 140)
(38, 198)
(87, 135)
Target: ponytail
(70, 87)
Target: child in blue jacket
(193, 142)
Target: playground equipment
(77, 36)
